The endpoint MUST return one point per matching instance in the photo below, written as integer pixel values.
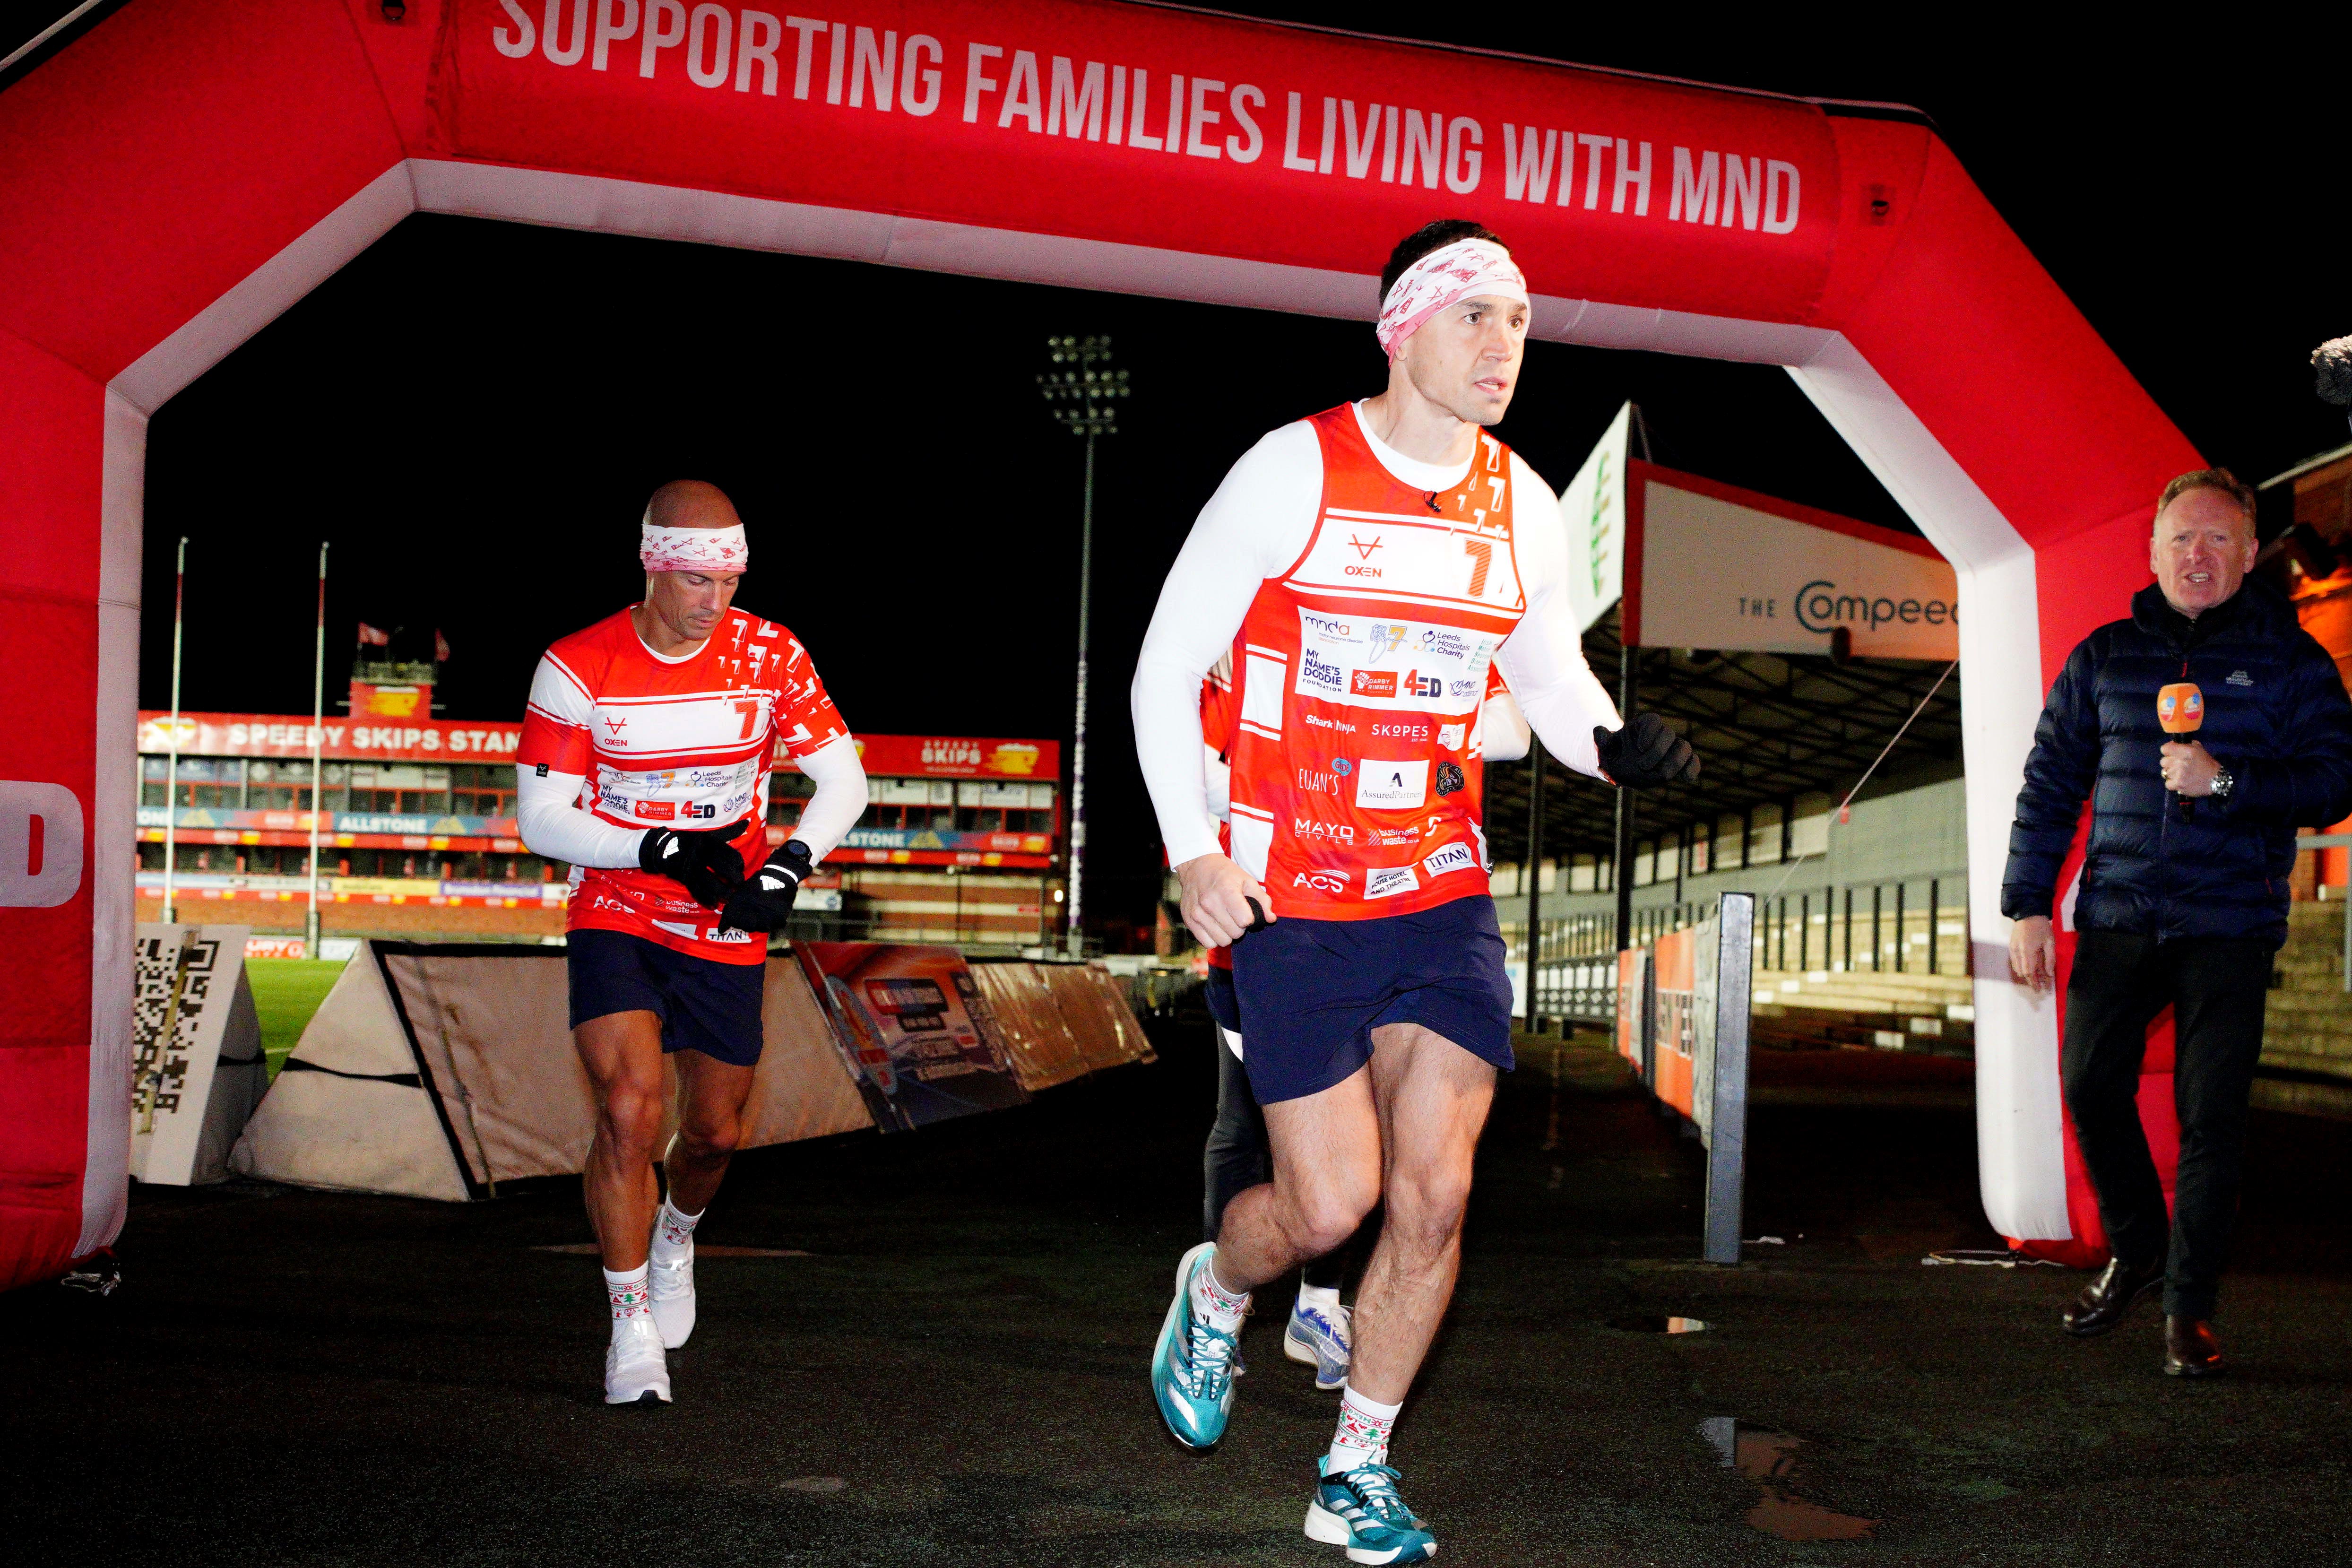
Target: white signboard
(196, 1060)
(1592, 508)
(1718, 567)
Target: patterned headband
(693, 549)
(1449, 273)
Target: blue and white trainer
(1193, 1366)
(1361, 1509)
(1318, 1337)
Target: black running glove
(1645, 754)
(764, 901)
(703, 862)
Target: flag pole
(172, 742)
(318, 738)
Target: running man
(1367, 562)
(1235, 1157)
(643, 763)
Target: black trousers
(2217, 988)
(1236, 1158)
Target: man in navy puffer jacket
(2183, 897)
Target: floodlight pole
(172, 743)
(317, 740)
(1078, 727)
(1081, 401)
(1622, 873)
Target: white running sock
(1321, 1299)
(674, 1233)
(1362, 1437)
(1220, 1308)
(632, 1297)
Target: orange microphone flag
(2180, 708)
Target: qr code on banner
(175, 982)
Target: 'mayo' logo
(1821, 608)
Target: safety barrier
(1682, 1023)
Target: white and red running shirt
(1368, 594)
(679, 742)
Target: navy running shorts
(1312, 991)
(1226, 1010)
(704, 1006)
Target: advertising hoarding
(1714, 566)
(912, 1027)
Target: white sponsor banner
(1724, 568)
(1592, 509)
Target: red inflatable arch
(186, 170)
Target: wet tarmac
(929, 1348)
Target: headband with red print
(1449, 273)
(693, 549)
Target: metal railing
(1916, 925)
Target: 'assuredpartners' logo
(1821, 608)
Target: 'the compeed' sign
(1712, 566)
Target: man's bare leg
(1432, 1097)
(711, 1094)
(1327, 1178)
(711, 1097)
(623, 1055)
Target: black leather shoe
(2104, 1302)
(2189, 1348)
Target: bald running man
(1370, 562)
(643, 763)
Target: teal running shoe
(1319, 1340)
(1193, 1366)
(1361, 1509)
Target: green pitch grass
(285, 992)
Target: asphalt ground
(954, 1374)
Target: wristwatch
(2223, 783)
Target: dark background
(473, 412)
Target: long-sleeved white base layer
(552, 822)
(1253, 528)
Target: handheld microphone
(2180, 710)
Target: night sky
(473, 412)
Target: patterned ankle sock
(1221, 1308)
(674, 1233)
(629, 1294)
(1362, 1437)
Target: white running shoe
(672, 1291)
(636, 1370)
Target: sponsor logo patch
(1323, 879)
(1455, 856)
(1388, 881)
(1393, 785)
(654, 810)
(1449, 778)
(1451, 737)
(1337, 832)
(1372, 683)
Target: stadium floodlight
(310, 929)
(1083, 393)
